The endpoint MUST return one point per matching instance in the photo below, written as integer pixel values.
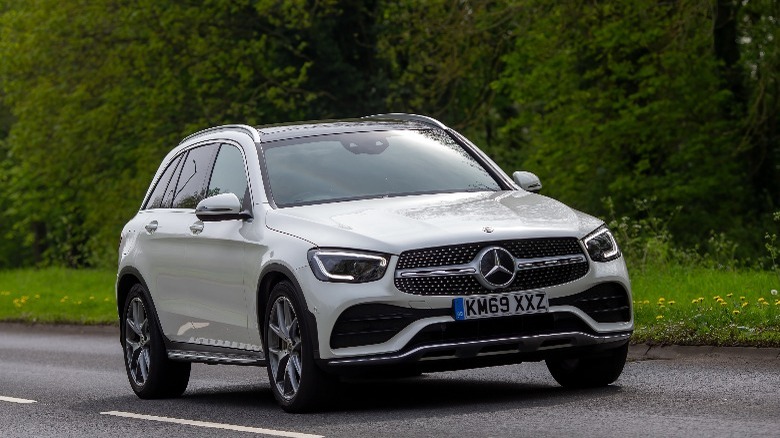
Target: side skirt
(212, 355)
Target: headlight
(347, 266)
(601, 245)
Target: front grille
(606, 302)
(467, 284)
(462, 254)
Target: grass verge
(698, 306)
(686, 306)
(58, 295)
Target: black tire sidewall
(589, 371)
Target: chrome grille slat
(452, 270)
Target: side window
(158, 194)
(229, 175)
(191, 186)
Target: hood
(393, 225)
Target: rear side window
(191, 186)
(157, 199)
(229, 175)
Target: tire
(589, 371)
(297, 383)
(151, 374)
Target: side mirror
(224, 206)
(527, 181)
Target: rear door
(166, 218)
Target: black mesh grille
(367, 324)
(606, 302)
(461, 254)
(468, 284)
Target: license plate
(490, 306)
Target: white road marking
(212, 425)
(16, 400)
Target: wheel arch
(127, 278)
(270, 277)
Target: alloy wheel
(137, 341)
(284, 348)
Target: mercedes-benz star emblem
(496, 268)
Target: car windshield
(339, 167)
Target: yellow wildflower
(723, 303)
(729, 295)
(745, 304)
(671, 302)
(736, 312)
(659, 317)
(742, 298)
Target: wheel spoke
(288, 318)
(281, 321)
(277, 331)
(294, 330)
(131, 325)
(296, 361)
(143, 362)
(292, 377)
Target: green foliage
(676, 102)
(772, 247)
(625, 98)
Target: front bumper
(430, 334)
(485, 352)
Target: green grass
(58, 295)
(671, 306)
(698, 306)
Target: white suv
(388, 244)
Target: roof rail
(413, 117)
(249, 130)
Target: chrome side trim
(525, 344)
(221, 358)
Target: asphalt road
(77, 380)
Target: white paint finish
(394, 225)
(16, 400)
(257, 430)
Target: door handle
(197, 227)
(151, 227)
